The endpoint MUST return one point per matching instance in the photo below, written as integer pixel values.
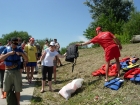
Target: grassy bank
(92, 91)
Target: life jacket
(131, 73)
(136, 78)
(114, 84)
(72, 54)
(13, 60)
(111, 72)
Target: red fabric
(105, 39)
(131, 73)
(124, 59)
(112, 52)
(2, 67)
(112, 71)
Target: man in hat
(11, 56)
(111, 46)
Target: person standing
(12, 76)
(47, 64)
(111, 46)
(31, 51)
(57, 49)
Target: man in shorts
(11, 56)
(111, 46)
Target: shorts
(31, 64)
(12, 77)
(112, 52)
(45, 70)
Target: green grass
(92, 91)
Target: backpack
(11, 96)
(72, 54)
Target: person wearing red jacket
(111, 46)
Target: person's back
(105, 39)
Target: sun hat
(52, 44)
(98, 28)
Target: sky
(64, 20)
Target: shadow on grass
(95, 81)
(36, 99)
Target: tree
(120, 8)
(109, 14)
(23, 35)
(133, 26)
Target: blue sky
(64, 20)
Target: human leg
(54, 69)
(44, 71)
(107, 69)
(1, 83)
(54, 73)
(28, 73)
(18, 98)
(32, 72)
(50, 71)
(17, 84)
(118, 66)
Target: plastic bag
(70, 88)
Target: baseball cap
(52, 43)
(98, 28)
(14, 40)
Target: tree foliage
(23, 35)
(109, 14)
(133, 26)
(120, 8)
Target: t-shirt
(49, 57)
(105, 39)
(31, 52)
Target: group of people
(13, 56)
(17, 56)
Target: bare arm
(85, 43)
(117, 42)
(61, 56)
(4, 56)
(24, 57)
(43, 56)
